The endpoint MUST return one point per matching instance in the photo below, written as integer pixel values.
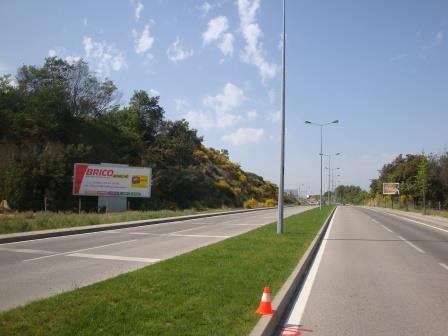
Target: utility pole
(282, 155)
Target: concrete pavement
(43, 267)
(377, 274)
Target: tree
(149, 114)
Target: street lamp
(332, 181)
(329, 171)
(282, 151)
(321, 154)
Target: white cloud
(253, 50)
(225, 119)
(153, 93)
(138, 7)
(243, 136)
(176, 53)
(216, 27)
(144, 41)
(4, 69)
(217, 32)
(72, 59)
(275, 116)
(226, 44)
(209, 120)
(439, 37)
(398, 57)
(271, 96)
(52, 53)
(252, 114)
(103, 57)
(62, 53)
(200, 120)
(230, 97)
(216, 111)
(85, 24)
(180, 104)
(205, 8)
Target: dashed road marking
(444, 266)
(374, 220)
(86, 249)
(412, 245)
(145, 233)
(200, 236)
(26, 251)
(386, 228)
(244, 224)
(111, 257)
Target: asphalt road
(376, 274)
(40, 268)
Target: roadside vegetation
(33, 221)
(213, 290)
(350, 194)
(423, 184)
(61, 113)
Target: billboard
(391, 188)
(109, 180)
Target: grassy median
(213, 290)
(34, 221)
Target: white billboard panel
(104, 180)
(391, 188)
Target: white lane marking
(66, 236)
(145, 233)
(195, 228)
(111, 257)
(386, 228)
(444, 266)
(244, 224)
(374, 220)
(296, 314)
(26, 251)
(411, 220)
(412, 245)
(201, 236)
(86, 249)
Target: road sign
(391, 188)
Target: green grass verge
(213, 290)
(34, 221)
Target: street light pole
(329, 174)
(321, 153)
(329, 171)
(282, 158)
(321, 157)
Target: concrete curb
(267, 325)
(17, 237)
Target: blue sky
(380, 67)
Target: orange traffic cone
(265, 307)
